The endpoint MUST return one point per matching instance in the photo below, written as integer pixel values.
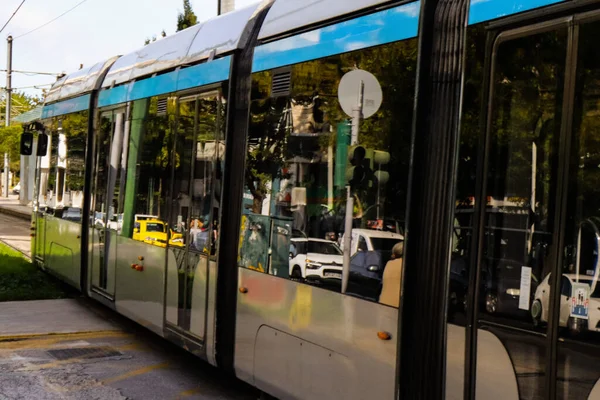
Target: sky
(94, 31)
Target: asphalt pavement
(78, 349)
(75, 349)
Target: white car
(540, 305)
(316, 259)
(372, 240)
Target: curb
(27, 256)
(15, 213)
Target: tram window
(62, 169)
(301, 158)
(199, 151)
(147, 177)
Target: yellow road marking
(46, 340)
(25, 336)
(187, 393)
(136, 372)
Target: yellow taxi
(154, 231)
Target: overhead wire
(33, 86)
(31, 73)
(11, 17)
(52, 20)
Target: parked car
(370, 252)
(115, 223)
(315, 259)
(501, 279)
(17, 188)
(154, 231)
(540, 305)
(72, 214)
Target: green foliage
(187, 18)
(21, 280)
(10, 138)
(316, 83)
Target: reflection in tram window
(199, 150)
(520, 198)
(62, 169)
(147, 176)
(579, 313)
(304, 155)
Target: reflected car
(370, 252)
(459, 285)
(501, 288)
(154, 231)
(72, 214)
(116, 223)
(315, 259)
(540, 305)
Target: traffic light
(358, 165)
(365, 167)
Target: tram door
(194, 210)
(540, 269)
(106, 200)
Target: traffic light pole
(357, 114)
(9, 41)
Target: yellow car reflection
(154, 231)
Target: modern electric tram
(250, 187)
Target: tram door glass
(579, 311)
(199, 147)
(108, 173)
(525, 122)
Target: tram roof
(290, 15)
(79, 82)
(213, 37)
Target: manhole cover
(84, 353)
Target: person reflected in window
(392, 277)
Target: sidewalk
(15, 232)
(11, 206)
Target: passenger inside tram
(391, 283)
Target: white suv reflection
(540, 305)
(316, 259)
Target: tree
(21, 103)
(187, 18)
(10, 137)
(148, 40)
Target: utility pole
(225, 6)
(9, 41)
